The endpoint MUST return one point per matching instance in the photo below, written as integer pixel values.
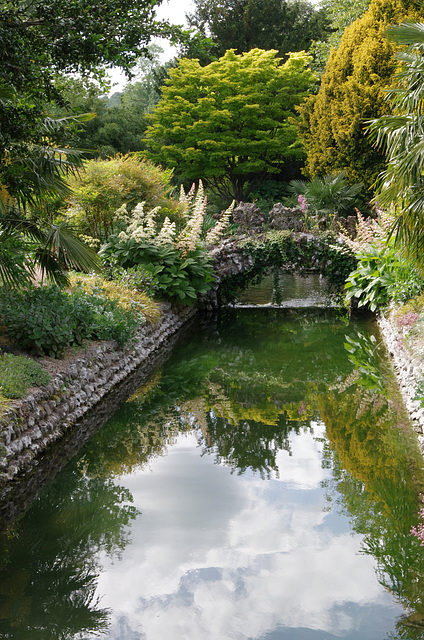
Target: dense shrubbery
(175, 274)
(176, 261)
(106, 185)
(134, 278)
(382, 276)
(46, 320)
(123, 292)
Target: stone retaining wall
(49, 413)
(43, 417)
(409, 370)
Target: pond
(261, 485)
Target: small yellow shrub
(126, 298)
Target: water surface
(287, 290)
(261, 485)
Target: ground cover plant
(18, 374)
(46, 320)
(125, 291)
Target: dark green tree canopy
(73, 36)
(242, 25)
(40, 39)
(229, 122)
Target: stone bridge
(278, 240)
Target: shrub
(177, 275)
(178, 262)
(328, 195)
(135, 278)
(353, 90)
(128, 292)
(382, 274)
(18, 373)
(371, 282)
(46, 320)
(106, 185)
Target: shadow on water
(249, 385)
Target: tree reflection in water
(50, 592)
(246, 393)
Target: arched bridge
(277, 241)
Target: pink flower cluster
(303, 203)
(408, 319)
(302, 408)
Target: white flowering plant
(178, 260)
(383, 273)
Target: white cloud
(217, 557)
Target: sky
(172, 10)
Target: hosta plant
(177, 260)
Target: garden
(96, 235)
(283, 135)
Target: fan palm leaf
(401, 135)
(27, 243)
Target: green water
(262, 485)
(295, 291)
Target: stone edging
(48, 413)
(40, 419)
(409, 370)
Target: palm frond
(401, 136)
(62, 241)
(408, 33)
(16, 268)
(50, 266)
(297, 187)
(43, 167)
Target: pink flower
(303, 203)
(418, 531)
(407, 320)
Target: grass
(18, 374)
